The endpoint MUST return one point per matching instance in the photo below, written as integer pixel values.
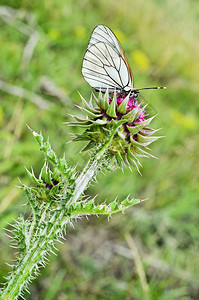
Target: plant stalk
(40, 240)
(91, 168)
(34, 257)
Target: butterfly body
(105, 65)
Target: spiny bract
(133, 136)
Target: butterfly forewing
(105, 64)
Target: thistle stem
(33, 258)
(90, 170)
(41, 236)
(83, 180)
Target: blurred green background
(151, 252)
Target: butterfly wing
(105, 64)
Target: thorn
(29, 127)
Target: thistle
(133, 134)
(117, 132)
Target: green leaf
(134, 129)
(122, 108)
(134, 143)
(82, 137)
(99, 122)
(84, 124)
(86, 105)
(52, 156)
(141, 153)
(56, 175)
(147, 140)
(45, 147)
(140, 111)
(38, 137)
(147, 122)
(111, 112)
(62, 166)
(117, 124)
(104, 101)
(46, 175)
(33, 178)
(90, 114)
(119, 159)
(97, 100)
(89, 146)
(130, 117)
(128, 203)
(114, 206)
(90, 206)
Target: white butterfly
(105, 65)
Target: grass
(161, 43)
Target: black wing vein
(104, 64)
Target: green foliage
(55, 200)
(103, 209)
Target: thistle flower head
(133, 136)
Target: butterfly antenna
(153, 88)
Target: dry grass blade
(138, 263)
